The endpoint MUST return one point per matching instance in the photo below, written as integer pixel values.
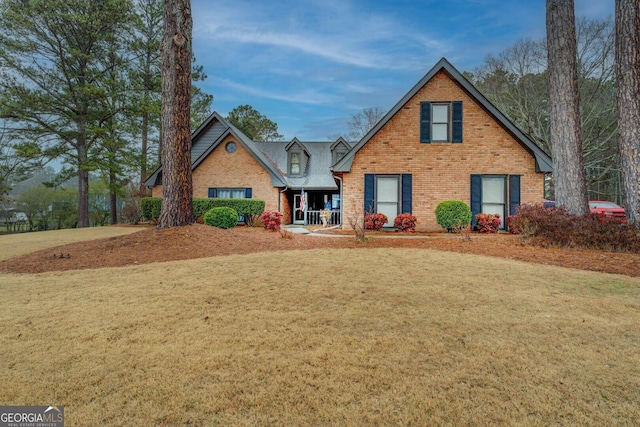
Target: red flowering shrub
(271, 220)
(512, 225)
(405, 222)
(488, 223)
(375, 221)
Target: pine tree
(628, 100)
(177, 186)
(564, 110)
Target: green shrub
(453, 215)
(222, 217)
(150, 207)
(248, 209)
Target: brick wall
(232, 170)
(441, 171)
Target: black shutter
(369, 191)
(476, 198)
(425, 121)
(213, 192)
(406, 193)
(247, 193)
(514, 193)
(457, 121)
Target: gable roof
(209, 135)
(543, 161)
(340, 142)
(272, 156)
(276, 176)
(295, 142)
(318, 172)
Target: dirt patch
(198, 241)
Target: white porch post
(306, 203)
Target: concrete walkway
(322, 232)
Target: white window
(440, 122)
(494, 196)
(294, 168)
(231, 193)
(387, 201)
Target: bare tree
(361, 123)
(564, 109)
(516, 82)
(628, 100)
(177, 185)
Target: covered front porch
(310, 207)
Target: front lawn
(371, 336)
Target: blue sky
(308, 65)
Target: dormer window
(294, 163)
(297, 158)
(339, 149)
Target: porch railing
(314, 218)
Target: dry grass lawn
(12, 245)
(325, 337)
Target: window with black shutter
(441, 122)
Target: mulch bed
(198, 241)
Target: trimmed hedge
(221, 217)
(150, 207)
(250, 209)
(453, 215)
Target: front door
(298, 214)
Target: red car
(599, 207)
(608, 209)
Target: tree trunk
(83, 198)
(566, 144)
(177, 187)
(144, 148)
(113, 198)
(628, 99)
(83, 180)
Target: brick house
(442, 141)
(227, 164)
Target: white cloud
(314, 60)
(303, 96)
(331, 31)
